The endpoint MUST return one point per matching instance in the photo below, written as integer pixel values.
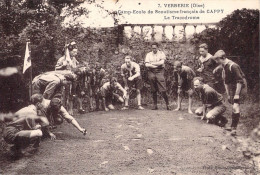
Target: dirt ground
(135, 142)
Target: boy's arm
(204, 112)
(61, 63)
(122, 90)
(204, 102)
(70, 119)
(237, 93)
(239, 80)
(124, 77)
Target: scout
(235, 85)
(130, 72)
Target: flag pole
(30, 82)
(65, 48)
(30, 89)
(28, 65)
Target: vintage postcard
(129, 87)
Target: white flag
(27, 58)
(67, 57)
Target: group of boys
(213, 72)
(47, 110)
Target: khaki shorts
(10, 134)
(37, 88)
(242, 95)
(136, 83)
(212, 112)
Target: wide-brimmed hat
(219, 54)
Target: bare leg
(24, 138)
(30, 133)
(127, 100)
(179, 100)
(70, 103)
(80, 103)
(139, 98)
(190, 105)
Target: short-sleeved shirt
(208, 65)
(184, 79)
(48, 77)
(28, 123)
(130, 71)
(47, 84)
(209, 96)
(233, 73)
(31, 109)
(63, 74)
(152, 57)
(107, 89)
(60, 64)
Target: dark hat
(72, 46)
(77, 71)
(70, 76)
(219, 54)
(55, 104)
(85, 70)
(36, 98)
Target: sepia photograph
(129, 87)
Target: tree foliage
(39, 21)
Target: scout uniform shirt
(184, 79)
(106, 89)
(48, 82)
(130, 71)
(60, 64)
(233, 73)
(96, 79)
(14, 127)
(207, 65)
(210, 97)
